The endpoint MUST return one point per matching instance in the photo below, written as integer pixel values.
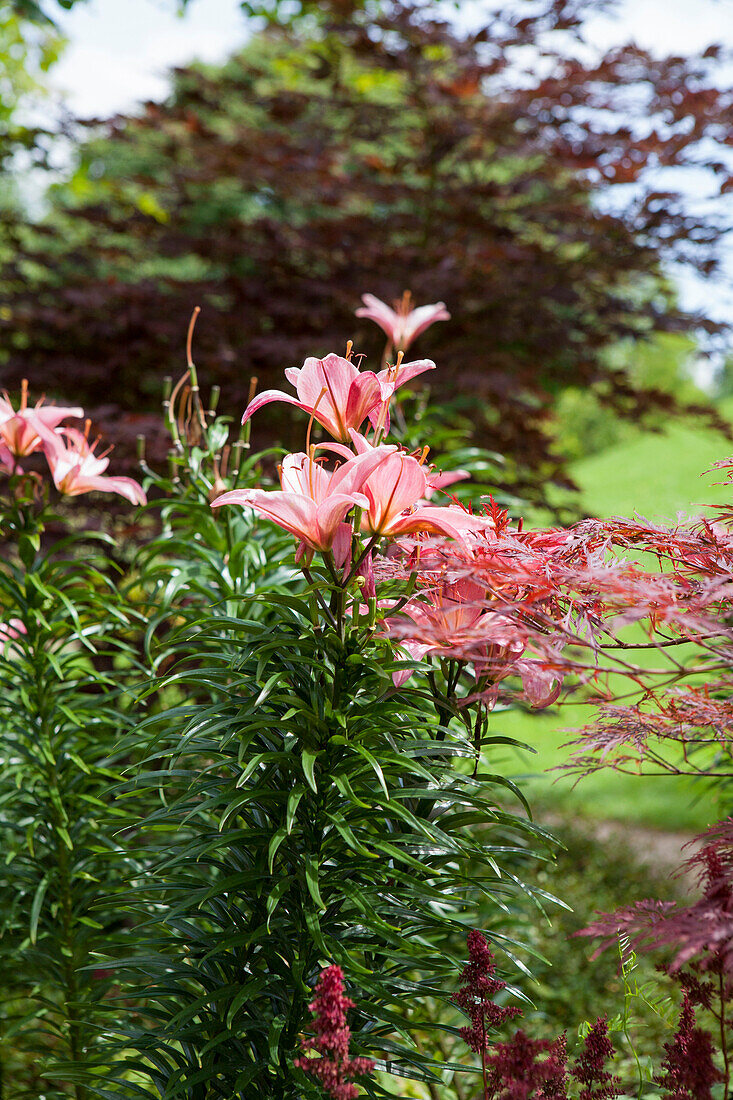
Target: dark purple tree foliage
(396, 153)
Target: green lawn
(656, 476)
(666, 802)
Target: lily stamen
(310, 422)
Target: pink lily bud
(8, 464)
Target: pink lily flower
(8, 464)
(453, 621)
(76, 469)
(9, 631)
(337, 394)
(395, 490)
(435, 479)
(313, 502)
(402, 325)
(20, 432)
(450, 621)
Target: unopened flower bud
(214, 399)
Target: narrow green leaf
(309, 759)
(274, 897)
(274, 844)
(345, 788)
(314, 927)
(311, 878)
(375, 765)
(36, 907)
(250, 767)
(273, 1039)
(267, 688)
(293, 802)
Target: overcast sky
(119, 52)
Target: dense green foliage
(211, 787)
(290, 792)
(306, 811)
(64, 710)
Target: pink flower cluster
(455, 620)
(490, 602)
(515, 1072)
(379, 491)
(590, 1065)
(335, 1069)
(387, 487)
(74, 466)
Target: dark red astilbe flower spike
(516, 1073)
(478, 989)
(698, 991)
(589, 1068)
(335, 1069)
(689, 1070)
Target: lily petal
(450, 521)
(266, 397)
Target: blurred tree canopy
(380, 149)
(27, 51)
(584, 425)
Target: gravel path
(659, 849)
(653, 847)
